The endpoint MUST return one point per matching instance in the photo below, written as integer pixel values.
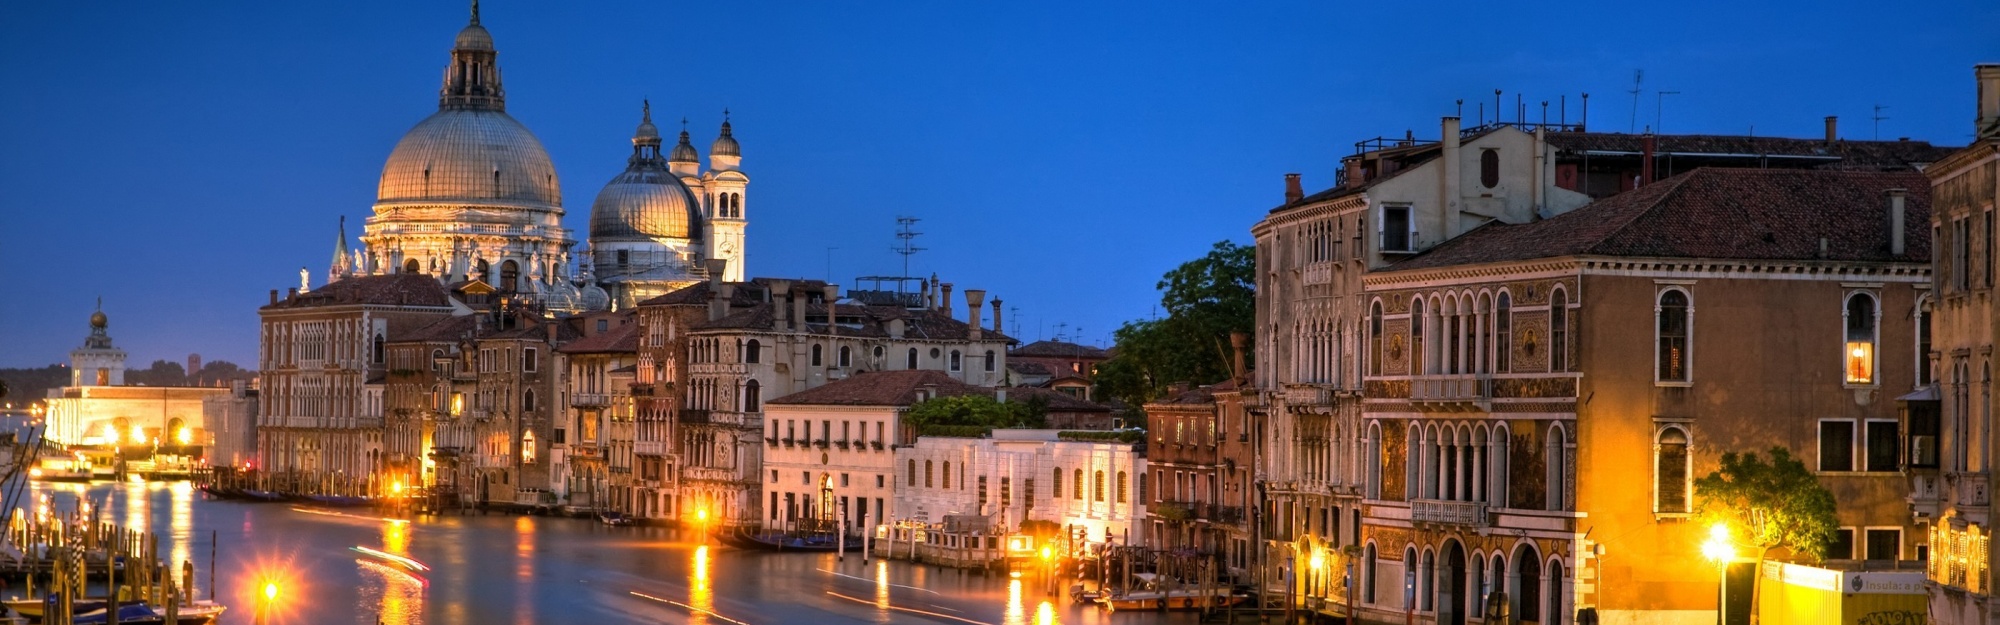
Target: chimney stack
(974, 300)
(1293, 191)
(1832, 128)
(832, 294)
(291, 292)
(1897, 238)
(799, 308)
(1447, 208)
(1236, 342)
(944, 298)
(996, 315)
(1988, 75)
(715, 304)
(274, 296)
(1646, 145)
(779, 288)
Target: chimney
(1447, 208)
(728, 298)
(1646, 145)
(274, 296)
(799, 308)
(1988, 75)
(550, 325)
(1352, 172)
(779, 288)
(1897, 237)
(996, 315)
(924, 294)
(291, 292)
(832, 294)
(1293, 192)
(895, 328)
(1236, 342)
(974, 300)
(1832, 127)
(944, 298)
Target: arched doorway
(1528, 579)
(1451, 585)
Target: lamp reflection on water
(1016, 614)
(700, 595)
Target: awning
(1927, 393)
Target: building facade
(1095, 488)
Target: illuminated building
(595, 452)
(1096, 489)
(1201, 459)
(98, 409)
(1951, 428)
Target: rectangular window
(1923, 434)
(528, 359)
(1836, 445)
(1398, 233)
(1883, 440)
(1885, 543)
(1843, 545)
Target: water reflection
(524, 570)
(1015, 614)
(699, 594)
(180, 528)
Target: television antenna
(907, 237)
(1638, 78)
(1878, 120)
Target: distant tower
(97, 363)
(725, 184)
(194, 370)
(342, 259)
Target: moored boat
(197, 613)
(1151, 595)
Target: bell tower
(727, 221)
(472, 81)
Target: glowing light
(35, 472)
(111, 434)
(701, 515)
(1014, 574)
(270, 591)
(1048, 554)
(1858, 352)
(1318, 559)
(1717, 548)
(406, 562)
(185, 436)
(138, 434)
(398, 488)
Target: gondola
(803, 542)
(198, 613)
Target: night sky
(181, 159)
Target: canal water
(518, 569)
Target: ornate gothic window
(1671, 471)
(1859, 350)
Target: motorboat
(1152, 594)
(197, 613)
(614, 519)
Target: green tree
(1206, 299)
(1769, 505)
(977, 411)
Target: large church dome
(646, 202)
(460, 154)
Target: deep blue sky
(180, 159)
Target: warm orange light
(185, 436)
(270, 591)
(1048, 554)
(701, 515)
(397, 488)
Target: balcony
(650, 448)
(1924, 496)
(738, 419)
(1461, 513)
(690, 415)
(1308, 395)
(1452, 393)
(589, 400)
(1970, 490)
(1230, 515)
(710, 474)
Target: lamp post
(1719, 550)
(1048, 569)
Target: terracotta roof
(746, 294)
(1026, 367)
(1061, 349)
(1058, 401)
(1843, 154)
(1196, 396)
(879, 388)
(400, 289)
(917, 324)
(622, 338)
(1745, 214)
(443, 330)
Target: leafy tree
(976, 411)
(3, 388)
(1771, 505)
(1206, 299)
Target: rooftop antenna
(1014, 312)
(1583, 124)
(1659, 102)
(1878, 121)
(1638, 78)
(908, 247)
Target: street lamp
(1049, 568)
(1719, 550)
(264, 606)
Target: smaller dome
(98, 320)
(474, 37)
(648, 134)
(594, 298)
(725, 145)
(644, 203)
(684, 152)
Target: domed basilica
(470, 194)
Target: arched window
(752, 351)
(1497, 576)
(1503, 332)
(1375, 338)
(1670, 479)
(1860, 348)
(412, 266)
(1076, 485)
(1368, 573)
(1497, 469)
(1410, 572)
(846, 356)
(1528, 579)
(990, 360)
(1426, 575)
(1672, 318)
(1097, 486)
(879, 351)
(1055, 485)
(954, 360)
(1489, 168)
(528, 400)
(379, 355)
(945, 474)
(1558, 331)
(1558, 463)
(753, 400)
(927, 475)
(1555, 593)
(1121, 487)
(913, 472)
(913, 358)
(818, 354)
(1417, 335)
(1374, 460)
(510, 276)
